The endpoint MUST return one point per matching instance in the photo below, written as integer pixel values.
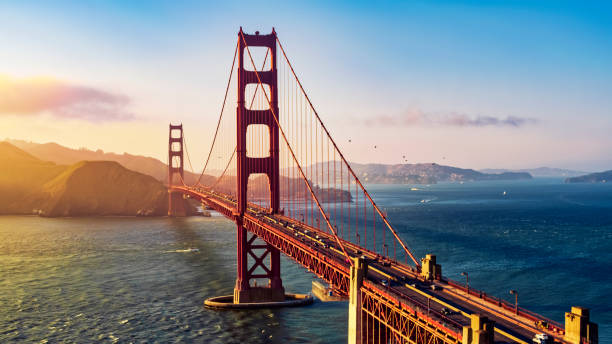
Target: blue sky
(427, 79)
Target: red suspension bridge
(275, 170)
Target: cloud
(417, 117)
(35, 96)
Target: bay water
(136, 280)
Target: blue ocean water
(550, 241)
(130, 280)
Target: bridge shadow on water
(212, 272)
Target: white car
(541, 338)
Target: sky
(474, 84)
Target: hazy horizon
(8, 139)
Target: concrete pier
(227, 302)
(578, 328)
(480, 331)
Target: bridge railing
(539, 320)
(417, 309)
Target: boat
(188, 250)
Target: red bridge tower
(176, 204)
(244, 292)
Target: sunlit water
(127, 280)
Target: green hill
(600, 177)
(423, 173)
(21, 179)
(88, 188)
(67, 156)
(102, 188)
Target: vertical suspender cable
(326, 217)
(357, 181)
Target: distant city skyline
(474, 84)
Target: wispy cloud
(35, 96)
(418, 117)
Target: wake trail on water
(187, 250)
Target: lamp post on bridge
(358, 239)
(515, 293)
(467, 282)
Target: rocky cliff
(601, 177)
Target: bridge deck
(448, 304)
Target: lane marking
(429, 296)
(508, 335)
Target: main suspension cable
(187, 153)
(229, 81)
(250, 108)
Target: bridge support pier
(480, 331)
(176, 204)
(578, 328)
(244, 292)
(429, 269)
(355, 317)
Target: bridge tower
(269, 165)
(176, 204)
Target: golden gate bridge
(274, 169)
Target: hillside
(29, 185)
(424, 173)
(540, 172)
(67, 156)
(159, 170)
(259, 189)
(601, 177)
(21, 179)
(428, 173)
(102, 188)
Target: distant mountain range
(67, 156)
(600, 177)
(53, 180)
(426, 173)
(258, 187)
(540, 172)
(423, 173)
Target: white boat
(187, 250)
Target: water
(131, 280)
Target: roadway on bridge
(394, 277)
